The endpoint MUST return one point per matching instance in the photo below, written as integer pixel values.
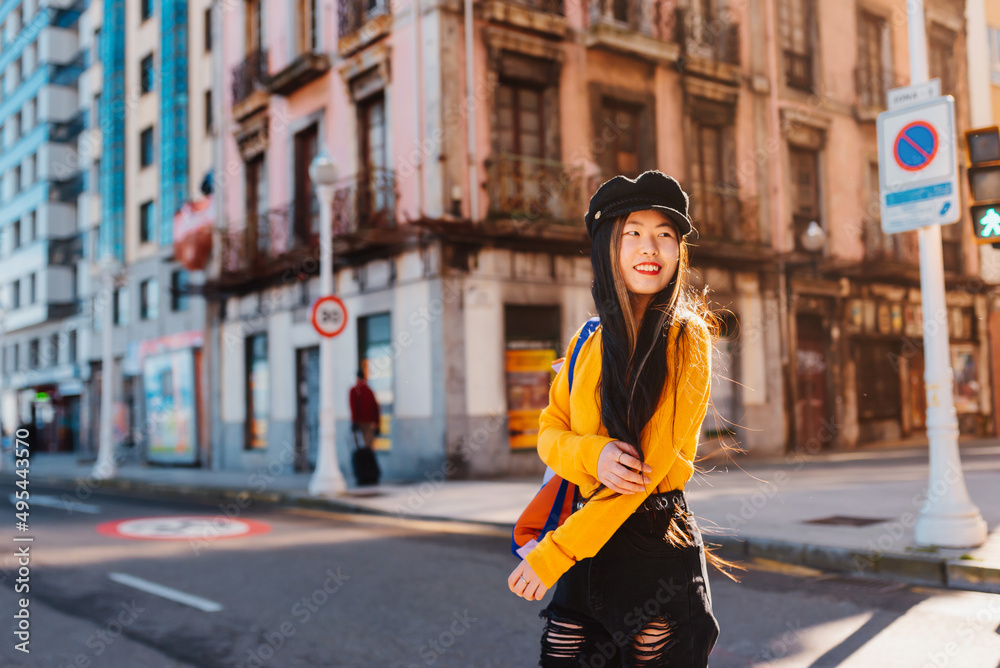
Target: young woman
(630, 561)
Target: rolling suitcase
(365, 464)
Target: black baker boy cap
(650, 190)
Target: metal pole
(470, 114)
(948, 517)
(105, 467)
(327, 479)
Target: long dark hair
(634, 353)
(634, 364)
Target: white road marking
(56, 502)
(166, 592)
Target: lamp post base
(328, 486)
(104, 470)
(953, 530)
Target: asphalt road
(320, 589)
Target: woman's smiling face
(650, 248)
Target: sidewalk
(766, 510)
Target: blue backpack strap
(589, 328)
(553, 520)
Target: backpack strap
(589, 328)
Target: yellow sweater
(571, 437)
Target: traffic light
(983, 148)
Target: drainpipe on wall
(778, 209)
(419, 115)
(470, 118)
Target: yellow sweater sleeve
(572, 456)
(586, 531)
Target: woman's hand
(525, 583)
(618, 468)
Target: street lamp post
(105, 467)
(327, 480)
(948, 517)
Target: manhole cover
(866, 585)
(847, 521)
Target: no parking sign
(917, 168)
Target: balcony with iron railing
(249, 84)
(798, 70)
(540, 16)
(527, 191)
(365, 201)
(256, 248)
(361, 22)
(719, 214)
(710, 39)
(872, 87)
(644, 28)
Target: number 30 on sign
(329, 316)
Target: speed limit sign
(329, 316)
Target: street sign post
(329, 316)
(918, 172)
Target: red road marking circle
(182, 527)
(320, 303)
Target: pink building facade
(461, 253)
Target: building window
(149, 300)
(208, 30)
(72, 347)
(805, 191)
(33, 354)
(32, 289)
(16, 176)
(32, 225)
(145, 9)
(29, 170)
(306, 204)
(941, 58)
(209, 118)
(994, 38)
(795, 24)
(119, 313)
(15, 235)
(623, 149)
(874, 59)
(95, 109)
(179, 299)
(714, 194)
(306, 33)
(53, 351)
(520, 120)
(256, 200)
(146, 147)
(16, 357)
(252, 27)
(15, 294)
(372, 195)
(146, 213)
(258, 391)
(147, 74)
(375, 359)
(97, 45)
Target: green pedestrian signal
(990, 223)
(986, 218)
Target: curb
(961, 574)
(911, 568)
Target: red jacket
(364, 407)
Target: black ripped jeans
(640, 602)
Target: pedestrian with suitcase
(365, 417)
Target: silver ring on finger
(523, 580)
(620, 453)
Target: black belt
(660, 501)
